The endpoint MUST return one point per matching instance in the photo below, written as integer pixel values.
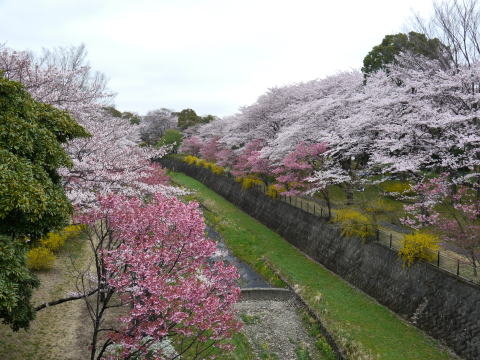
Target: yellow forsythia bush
(418, 246)
(218, 170)
(190, 160)
(248, 181)
(72, 231)
(40, 258)
(193, 160)
(354, 223)
(272, 191)
(53, 241)
(201, 162)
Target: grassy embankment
(357, 321)
(54, 333)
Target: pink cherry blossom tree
(191, 145)
(417, 116)
(111, 162)
(210, 149)
(307, 170)
(153, 261)
(226, 157)
(292, 173)
(251, 162)
(60, 77)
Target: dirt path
(54, 333)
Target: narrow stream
(248, 277)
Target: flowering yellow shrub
(218, 170)
(53, 241)
(190, 160)
(40, 258)
(72, 231)
(193, 160)
(418, 246)
(354, 223)
(273, 192)
(248, 181)
(201, 162)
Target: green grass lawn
(358, 322)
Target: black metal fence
(449, 261)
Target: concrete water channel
(248, 277)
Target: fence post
(458, 267)
(438, 258)
(314, 213)
(321, 212)
(390, 240)
(378, 235)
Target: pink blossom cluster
(250, 161)
(162, 265)
(191, 145)
(297, 167)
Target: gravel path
(275, 328)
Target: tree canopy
(31, 135)
(188, 118)
(392, 45)
(33, 201)
(171, 137)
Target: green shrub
(40, 258)
(171, 137)
(418, 246)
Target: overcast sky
(210, 55)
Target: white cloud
(210, 55)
